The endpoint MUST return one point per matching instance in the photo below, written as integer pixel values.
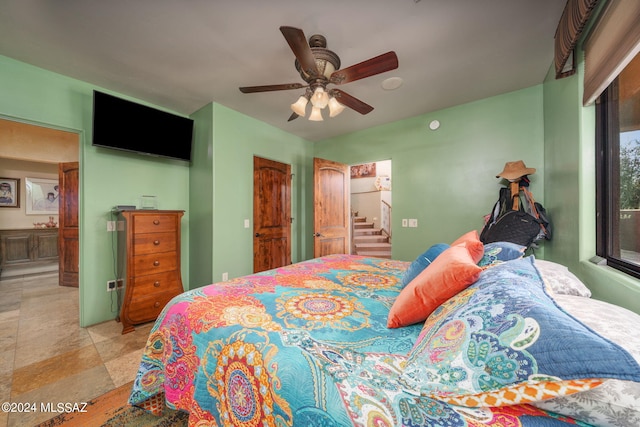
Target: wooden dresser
(149, 263)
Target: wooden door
(68, 236)
(331, 213)
(271, 214)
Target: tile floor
(46, 357)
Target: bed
(313, 344)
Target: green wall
(562, 117)
(570, 192)
(216, 191)
(443, 178)
(107, 178)
(446, 179)
(224, 167)
(201, 199)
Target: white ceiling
(182, 55)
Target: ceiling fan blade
(293, 116)
(380, 64)
(270, 88)
(351, 102)
(300, 47)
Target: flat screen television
(126, 125)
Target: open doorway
(371, 209)
(31, 156)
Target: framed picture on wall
(367, 170)
(9, 192)
(42, 196)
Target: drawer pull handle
(156, 263)
(156, 221)
(156, 284)
(156, 242)
(157, 304)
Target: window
(618, 171)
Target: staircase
(368, 241)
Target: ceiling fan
(319, 67)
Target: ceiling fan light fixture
(299, 107)
(316, 114)
(320, 98)
(320, 67)
(335, 107)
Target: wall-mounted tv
(126, 125)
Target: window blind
(611, 45)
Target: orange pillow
(451, 272)
(474, 245)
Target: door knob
(258, 234)
(317, 235)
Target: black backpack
(518, 219)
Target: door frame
(390, 160)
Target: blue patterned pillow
(422, 262)
(497, 344)
(497, 252)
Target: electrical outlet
(405, 222)
(111, 285)
(120, 283)
(413, 222)
(225, 276)
(111, 226)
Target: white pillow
(615, 403)
(560, 279)
(613, 322)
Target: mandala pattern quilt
(302, 345)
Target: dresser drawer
(146, 308)
(154, 263)
(156, 283)
(154, 242)
(154, 223)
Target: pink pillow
(473, 243)
(451, 272)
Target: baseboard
(14, 272)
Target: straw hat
(514, 170)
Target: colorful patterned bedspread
(302, 345)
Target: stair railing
(386, 219)
(353, 228)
